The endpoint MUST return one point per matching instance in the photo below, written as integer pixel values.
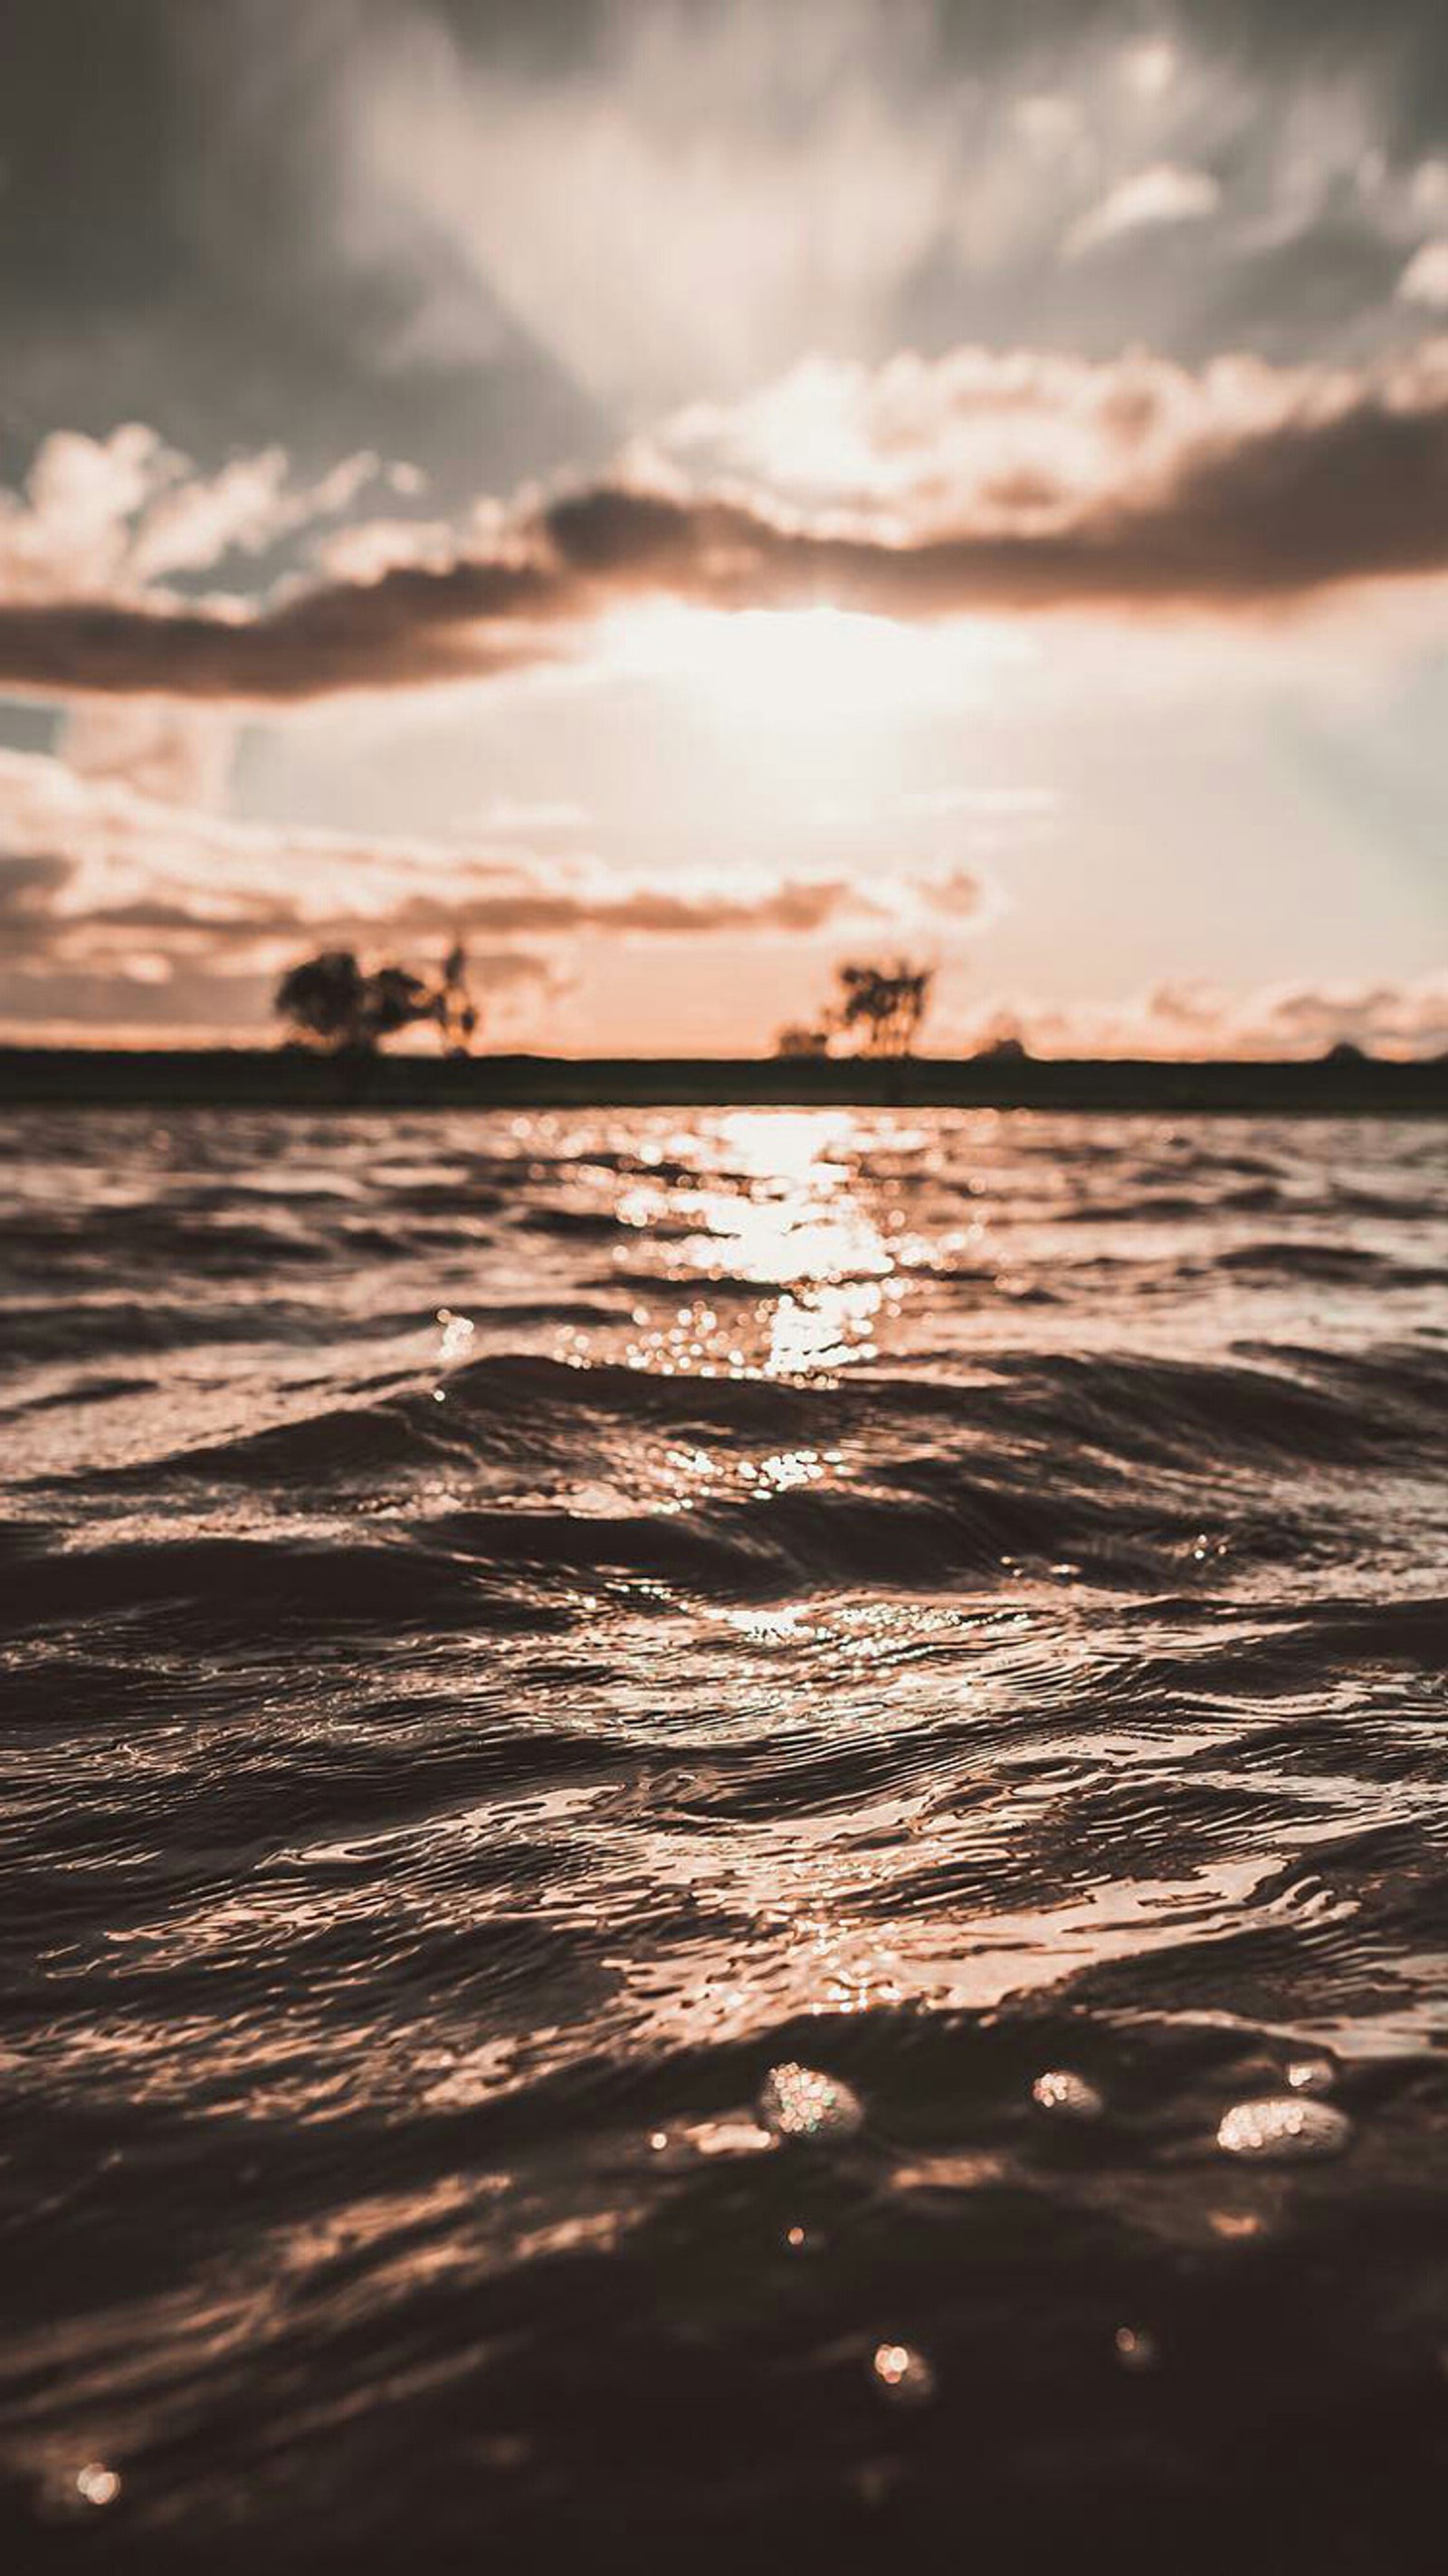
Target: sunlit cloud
(1164, 194)
(1034, 484)
(108, 518)
(1150, 68)
(1425, 279)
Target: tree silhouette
(883, 1005)
(331, 1001)
(324, 999)
(393, 998)
(880, 1007)
(455, 1010)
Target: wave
(449, 1771)
(240, 1586)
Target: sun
(805, 670)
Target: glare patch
(1283, 2129)
(781, 671)
(792, 1220)
(902, 2374)
(1066, 2096)
(458, 1332)
(96, 2484)
(1312, 2075)
(1135, 2348)
(799, 2102)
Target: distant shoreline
(287, 1079)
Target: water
(665, 1780)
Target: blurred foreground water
(723, 1837)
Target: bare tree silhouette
(885, 1005)
(880, 1007)
(455, 1010)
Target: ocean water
(723, 1838)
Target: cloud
(1014, 484)
(961, 895)
(640, 912)
(173, 755)
(857, 172)
(1425, 279)
(1163, 194)
(109, 517)
(766, 147)
(1390, 1016)
(343, 224)
(1150, 68)
(245, 508)
(29, 884)
(104, 890)
(1398, 1018)
(1048, 119)
(69, 533)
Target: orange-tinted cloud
(1392, 1016)
(109, 891)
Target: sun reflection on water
(784, 1210)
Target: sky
(683, 492)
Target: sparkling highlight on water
(1283, 2129)
(798, 2102)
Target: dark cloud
(522, 912)
(1308, 487)
(28, 889)
(28, 885)
(167, 250)
(794, 907)
(476, 619)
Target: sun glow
(809, 668)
